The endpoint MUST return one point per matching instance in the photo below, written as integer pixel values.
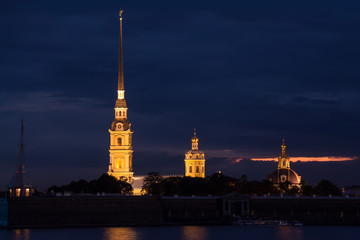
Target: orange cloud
(308, 159)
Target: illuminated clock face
(283, 178)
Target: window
(203, 170)
(10, 192)
(282, 178)
(197, 169)
(18, 192)
(27, 192)
(119, 163)
(190, 169)
(119, 141)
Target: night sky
(243, 73)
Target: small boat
(284, 223)
(297, 223)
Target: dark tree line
(219, 184)
(104, 184)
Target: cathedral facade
(120, 164)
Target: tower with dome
(195, 160)
(284, 174)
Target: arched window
(190, 169)
(197, 169)
(119, 163)
(119, 141)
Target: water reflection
(21, 234)
(289, 232)
(194, 233)
(120, 233)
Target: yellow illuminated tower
(284, 174)
(120, 133)
(195, 160)
(284, 161)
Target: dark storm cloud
(245, 74)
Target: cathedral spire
(121, 66)
(283, 148)
(120, 102)
(120, 164)
(284, 161)
(195, 141)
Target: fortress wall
(309, 210)
(83, 211)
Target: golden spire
(283, 147)
(194, 138)
(120, 102)
(284, 161)
(121, 66)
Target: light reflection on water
(287, 232)
(186, 233)
(121, 233)
(21, 234)
(194, 233)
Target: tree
(109, 184)
(152, 183)
(221, 184)
(325, 187)
(307, 190)
(105, 183)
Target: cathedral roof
(194, 151)
(283, 175)
(120, 103)
(126, 124)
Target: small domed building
(284, 174)
(195, 160)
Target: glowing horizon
(309, 159)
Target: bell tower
(195, 160)
(120, 165)
(284, 161)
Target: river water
(186, 233)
